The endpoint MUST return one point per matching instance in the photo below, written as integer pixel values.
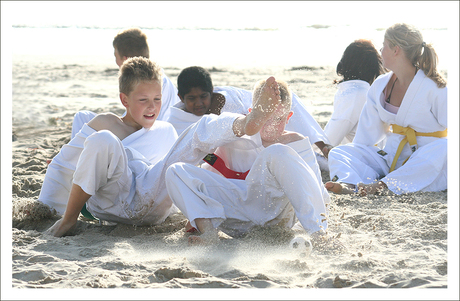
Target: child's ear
(124, 99)
(289, 116)
(180, 96)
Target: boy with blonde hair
(114, 165)
(128, 43)
(277, 182)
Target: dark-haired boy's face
(197, 101)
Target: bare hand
(217, 103)
(326, 149)
(61, 227)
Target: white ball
(300, 244)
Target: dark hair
(360, 60)
(131, 42)
(135, 70)
(193, 77)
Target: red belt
(219, 164)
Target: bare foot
(205, 239)
(340, 188)
(264, 106)
(374, 188)
(189, 228)
(269, 97)
(209, 234)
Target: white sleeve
(79, 120)
(302, 122)
(348, 105)
(168, 97)
(337, 129)
(371, 129)
(439, 107)
(201, 138)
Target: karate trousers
(425, 170)
(279, 188)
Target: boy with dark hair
(130, 42)
(194, 86)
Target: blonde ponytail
(428, 62)
(420, 54)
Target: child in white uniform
(198, 97)
(128, 43)
(408, 108)
(359, 66)
(283, 184)
(116, 178)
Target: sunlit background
(219, 33)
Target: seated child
(115, 166)
(277, 182)
(128, 43)
(360, 65)
(198, 97)
(408, 108)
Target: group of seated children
(231, 159)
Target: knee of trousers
(173, 170)
(338, 152)
(278, 151)
(440, 145)
(102, 140)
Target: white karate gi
(284, 183)
(239, 101)
(348, 103)
(168, 98)
(126, 178)
(424, 109)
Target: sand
(392, 241)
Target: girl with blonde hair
(408, 107)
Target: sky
(229, 14)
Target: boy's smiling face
(196, 101)
(143, 104)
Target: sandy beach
(392, 241)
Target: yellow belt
(411, 138)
